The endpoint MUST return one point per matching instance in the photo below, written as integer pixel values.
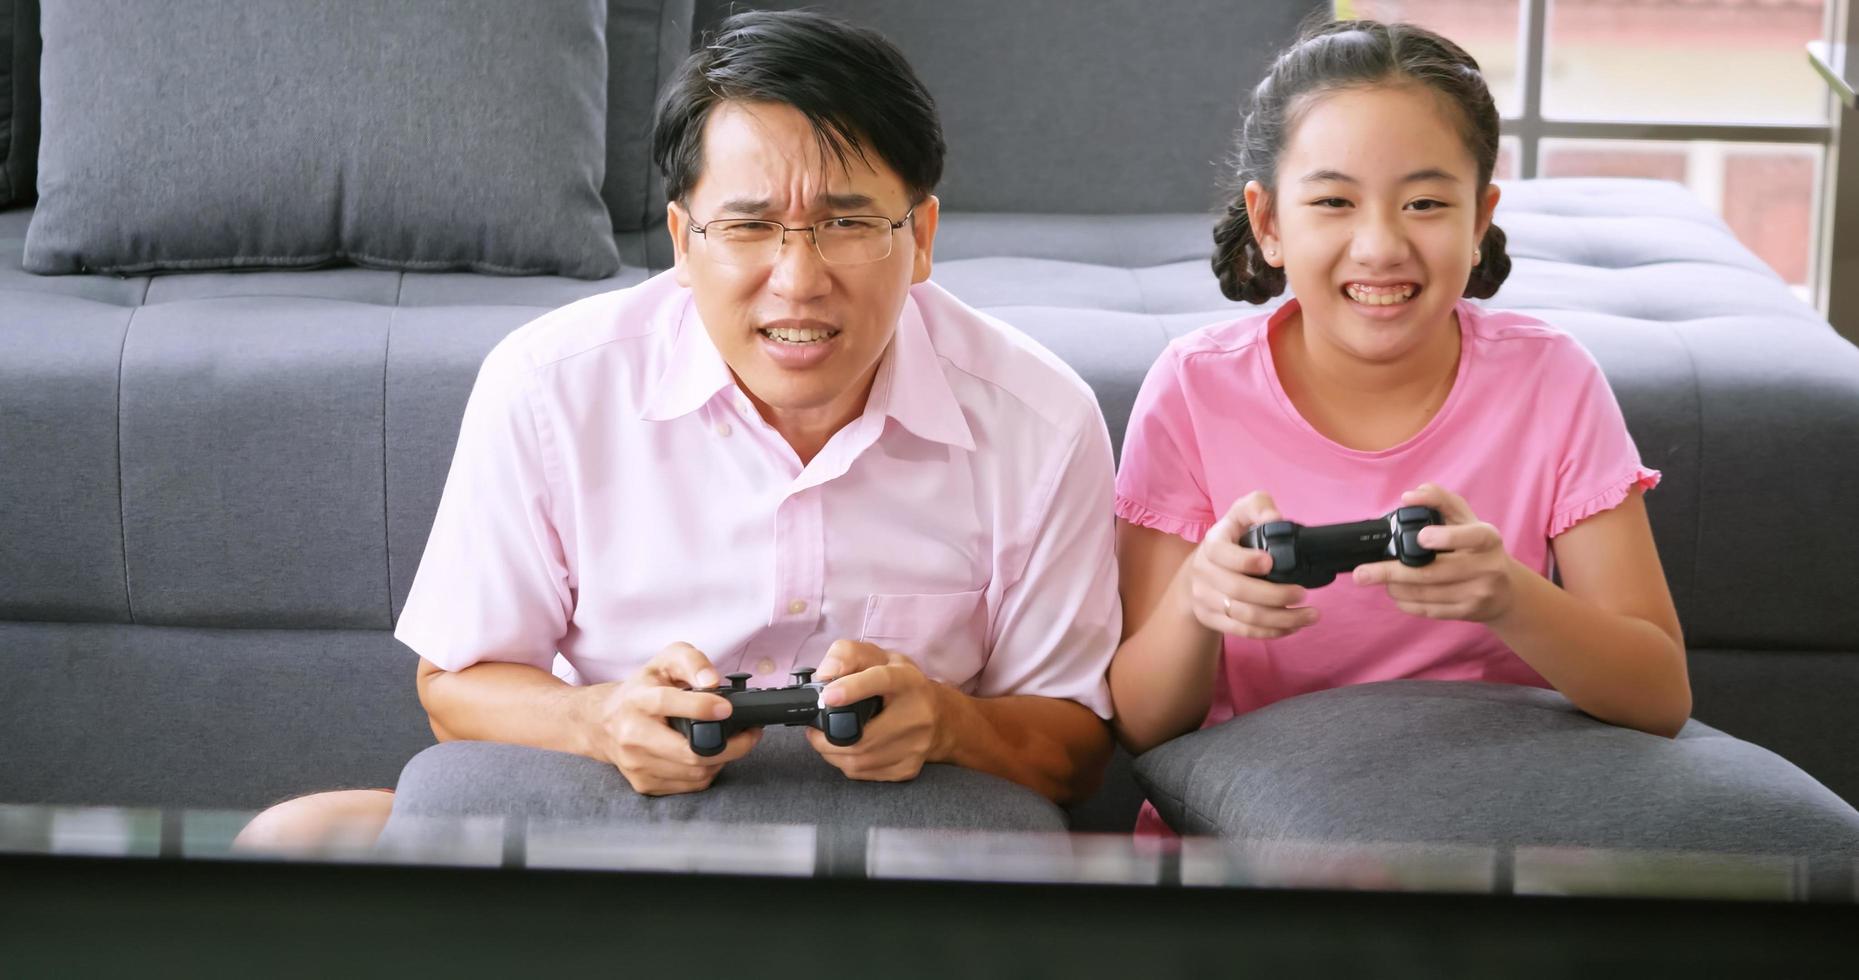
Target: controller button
(707, 737)
(1284, 557)
(842, 724)
(739, 681)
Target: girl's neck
(1365, 405)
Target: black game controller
(753, 707)
(1313, 556)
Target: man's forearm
(502, 702)
(1056, 747)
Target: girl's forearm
(1618, 668)
(1162, 677)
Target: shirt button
(765, 666)
(797, 607)
(722, 429)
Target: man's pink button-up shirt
(614, 491)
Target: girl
(1365, 168)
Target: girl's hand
(1469, 579)
(1223, 594)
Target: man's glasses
(852, 239)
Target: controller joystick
(1313, 556)
(797, 704)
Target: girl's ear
(1264, 223)
(1486, 208)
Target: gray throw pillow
(19, 98)
(1447, 762)
(213, 134)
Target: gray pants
(783, 781)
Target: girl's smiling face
(1375, 217)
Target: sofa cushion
(19, 99)
(646, 41)
(781, 781)
(1450, 762)
(157, 716)
(204, 134)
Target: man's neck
(808, 430)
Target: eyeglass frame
(812, 230)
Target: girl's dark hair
(1342, 54)
(853, 85)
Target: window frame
(1531, 127)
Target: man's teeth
(795, 335)
(1380, 295)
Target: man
(790, 451)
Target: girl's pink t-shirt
(1530, 436)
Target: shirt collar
(912, 388)
(694, 371)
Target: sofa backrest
(646, 40)
(1057, 107)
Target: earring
(1478, 256)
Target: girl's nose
(1378, 242)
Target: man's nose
(799, 272)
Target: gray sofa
(215, 487)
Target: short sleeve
(1161, 483)
(1059, 618)
(492, 584)
(1599, 465)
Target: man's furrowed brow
(746, 205)
(760, 206)
(849, 202)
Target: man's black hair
(853, 85)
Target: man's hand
(905, 735)
(1469, 579)
(629, 727)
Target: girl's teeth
(1379, 296)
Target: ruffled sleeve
(1607, 499)
(1161, 482)
(1136, 513)
(1600, 465)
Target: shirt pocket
(945, 634)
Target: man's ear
(1264, 223)
(923, 230)
(678, 223)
